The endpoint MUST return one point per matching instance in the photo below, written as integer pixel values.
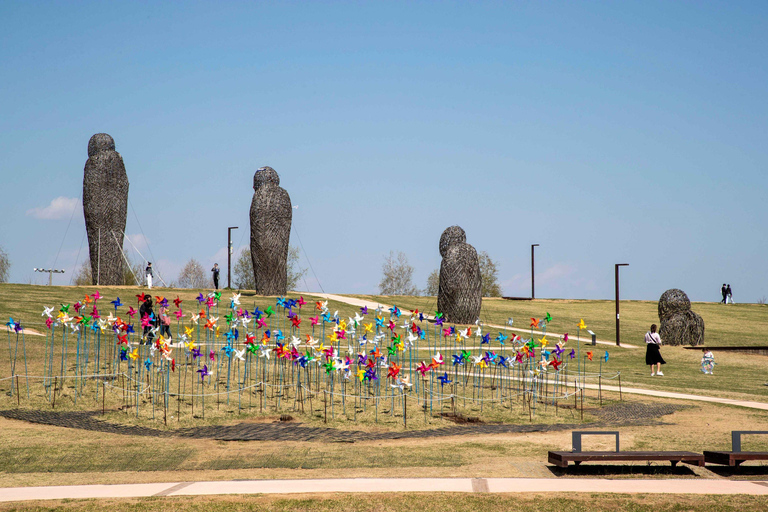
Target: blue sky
(624, 132)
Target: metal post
(98, 261)
(618, 335)
(229, 255)
(533, 283)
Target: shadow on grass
(728, 471)
(609, 469)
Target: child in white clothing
(707, 361)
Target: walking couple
(727, 294)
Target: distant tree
(433, 283)
(5, 266)
(243, 270)
(489, 276)
(193, 275)
(82, 276)
(397, 276)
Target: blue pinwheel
(148, 364)
(502, 361)
(486, 339)
(257, 313)
(458, 359)
(117, 303)
(444, 379)
(605, 357)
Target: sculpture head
(673, 302)
(451, 236)
(100, 142)
(265, 175)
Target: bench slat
(733, 458)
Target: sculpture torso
(271, 216)
(459, 296)
(105, 207)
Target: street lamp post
(618, 334)
(229, 255)
(533, 283)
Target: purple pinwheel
(196, 353)
(572, 354)
(203, 372)
(364, 310)
(559, 351)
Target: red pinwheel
(534, 322)
(556, 364)
(177, 301)
(141, 297)
(394, 369)
(295, 321)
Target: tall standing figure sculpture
(105, 207)
(459, 295)
(271, 216)
(679, 325)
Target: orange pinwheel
(202, 313)
(87, 299)
(376, 354)
(589, 355)
(534, 322)
(394, 369)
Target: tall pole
(618, 332)
(229, 255)
(533, 282)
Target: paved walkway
(389, 485)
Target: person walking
(729, 295)
(146, 311)
(148, 272)
(724, 291)
(652, 354)
(215, 271)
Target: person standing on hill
(729, 295)
(724, 291)
(148, 272)
(652, 354)
(215, 271)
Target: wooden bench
(577, 456)
(736, 456)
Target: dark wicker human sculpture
(459, 295)
(271, 216)
(105, 207)
(679, 325)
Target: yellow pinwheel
(188, 331)
(581, 324)
(544, 342)
(368, 328)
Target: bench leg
(674, 463)
(576, 462)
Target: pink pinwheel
(260, 323)
(212, 355)
(145, 321)
(423, 368)
(446, 332)
(179, 314)
(210, 302)
(315, 320)
(96, 296)
(131, 312)
(301, 302)
(48, 322)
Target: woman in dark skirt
(652, 354)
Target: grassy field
(423, 502)
(737, 375)
(48, 455)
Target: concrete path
(389, 485)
